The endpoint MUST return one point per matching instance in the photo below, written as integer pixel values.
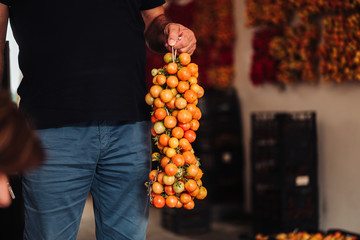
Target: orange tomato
(160, 177)
(184, 116)
(171, 103)
(172, 81)
(202, 193)
(191, 185)
(159, 103)
(184, 126)
(195, 87)
(184, 144)
(185, 198)
(199, 175)
(172, 68)
(166, 95)
(175, 113)
(198, 181)
(190, 96)
(158, 201)
(193, 67)
(197, 115)
(155, 91)
(164, 139)
(184, 74)
(184, 58)
(160, 113)
(191, 107)
(153, 119)
(160, 79)
(201, 92)
(180, 103)
(189, 157)
(170, 122)
(183, 86)
(190, 205)
(152, 175)
(173, 142)
(153, 133)
(164, 161)
(179, 204)
(171, 169)
(192, 170)
(190, 135)
(195, 192)
(192, 80)
(194, 125)
(177, 132)
(178, 160)
(170, 152)
(157, 188)
(171, 201)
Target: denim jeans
(109, 159)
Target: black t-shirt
(81, 60)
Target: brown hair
(20, 149)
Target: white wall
(15, 73)
(338, 122)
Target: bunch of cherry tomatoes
(174, 95)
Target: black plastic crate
(284, 171)
(219, 145)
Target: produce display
(308, 236)
(175, 179)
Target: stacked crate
(220, 146)
(284, 172)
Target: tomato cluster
(174, 95)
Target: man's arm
(4, 15)
(161, 34)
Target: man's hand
(161, 34)
(180, 38)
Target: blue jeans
(107, 158)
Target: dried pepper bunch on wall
(213, 25)
(296, 52)
(340, 50)
(264, 67)
(307, 9)
(268, 12)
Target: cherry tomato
(168, 180)
(178, 187)
(159, 201)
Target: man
(83, 90)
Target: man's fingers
(173, 32)
(180, 38)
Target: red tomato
(159, 201)
(190, 135)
